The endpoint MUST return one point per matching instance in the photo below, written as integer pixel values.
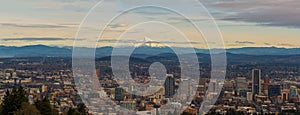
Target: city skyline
(277, 87)
(149, 57)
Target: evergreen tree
(73, 111)
(8, 106)
(80, 110)
(22, 97)
(45, 107)
(13, 100)
(185, 113)
(27, 109)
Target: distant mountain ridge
(53, 51)
(264, 51)
(34, 51)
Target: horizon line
(152, 47)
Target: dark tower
(256, 81)
(169, 86)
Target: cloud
(267, 44)
(73, 1)
(287, 45)
(35, 39)
(263, 12)
(140, 41)
(244, 42)
(240, 43)
(118, 25)
(182, 19)
(115, 41)
(152, 12)
(33, 25)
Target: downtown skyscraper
(256, 81)
(169, 86)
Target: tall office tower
(184, 89)
(241, 84)
(95, 81)
(130, 105)
(249, 96)
(274, 90)
(119, 92)
(266, 84)
(285, 94)
(201, 89)
(214, 85)
(169, 86)
(256, 81)
(293, 92)
(98, 72)
(185, 86)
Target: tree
(73, 111)
(45, 107)
(8, 106)
(80, 110)
(27, 109)
(21, 96)
(13, 100)
(185, 113)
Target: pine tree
(81, 110)
(7, 104)
(13, 100)
(22, 95)
(72, 111)
(45, 107)
(27, 109)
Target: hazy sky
(242, 23)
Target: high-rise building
(169, 86)
(213, 85)
(185, 89)
(98, 72)
(266, 84)
(44, 88)
(249, 96)
(256, 81)
(293, 92)
(130, 105)
(241, 84)
(243, 93)
(285, 94)
(274, 90)
(119, 94)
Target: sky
(242, 23)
